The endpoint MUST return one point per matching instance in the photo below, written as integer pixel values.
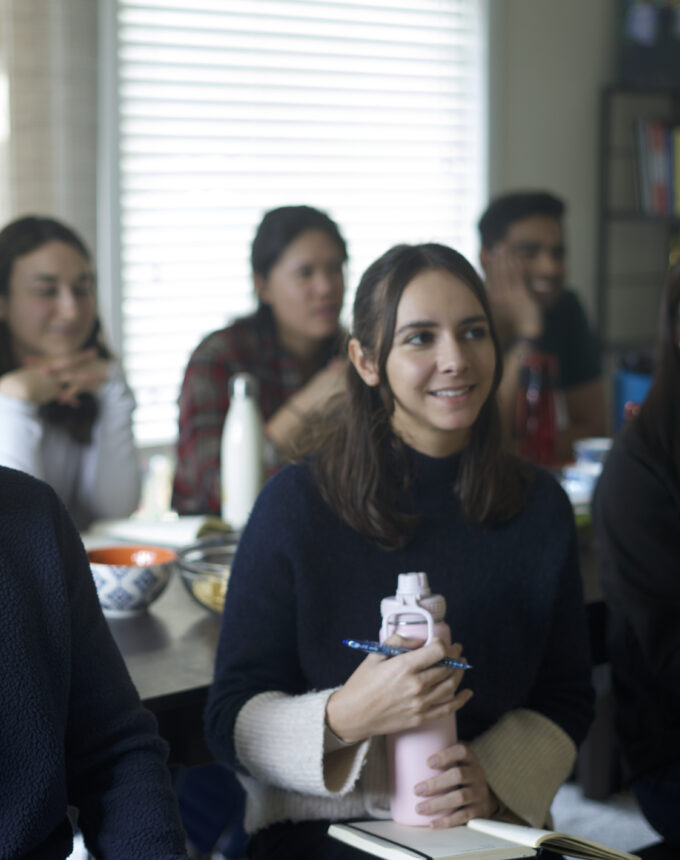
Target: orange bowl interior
(132, 556)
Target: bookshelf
(634, 243)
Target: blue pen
(369, 647)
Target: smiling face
(50, 308)
(305, 289)
(536, 244)
(441, 365)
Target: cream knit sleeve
(280, 740)
(526, 757)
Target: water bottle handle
(410, 610)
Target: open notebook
(481, 839)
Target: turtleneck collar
(431, 490)
(433, 470)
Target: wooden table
(170, 652)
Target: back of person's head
(506, 209)
(280, 227)
(658, 421)
(27, 234)
(355, 449)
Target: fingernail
(422, 807)
(420, 788)
(433, 761)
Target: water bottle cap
(243, 385)
(413, 589)
(413, 583)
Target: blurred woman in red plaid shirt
(292, 345)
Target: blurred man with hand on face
(523, 257)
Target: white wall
(48, 62)
(549, 59)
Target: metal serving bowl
(205, 568)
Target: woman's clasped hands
(58, 378)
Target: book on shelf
(479, 839)
(657, 147)
(659, 167)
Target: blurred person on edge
(76, 741)
(637, 517)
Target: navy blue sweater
(637, 516)
(303, 580)
(72, 729)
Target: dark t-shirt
(568, 336)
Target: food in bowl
(205, 568)
(129, 578)
(210, 593)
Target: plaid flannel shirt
(250, 345)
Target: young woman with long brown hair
(407, 473)
(65, 409)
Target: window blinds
(373, 111)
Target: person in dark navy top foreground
(73, 731)
(637, 517)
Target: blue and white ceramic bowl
(129, 578)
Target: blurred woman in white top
(65, 409)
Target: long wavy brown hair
(21, 237)
(361, 466)
(658, 422)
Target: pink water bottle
(417, 613)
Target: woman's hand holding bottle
(460, 792)
(57, 378)
(385, 695)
